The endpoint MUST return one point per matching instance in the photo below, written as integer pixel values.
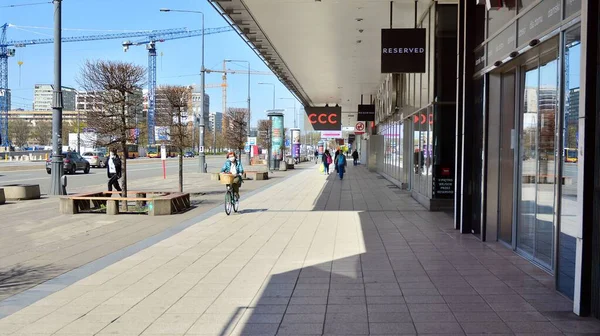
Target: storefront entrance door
(537, 159)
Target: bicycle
(232, 201)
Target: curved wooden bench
(165, 204)
(257, 176)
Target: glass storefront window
(569, 217)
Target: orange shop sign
(423, 118)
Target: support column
(464, 188)
(460, 52)
(587, 294)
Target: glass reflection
(528, 157)
(548, 104)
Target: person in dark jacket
(355, 157)
(335, 159)
(113, 170)
(326, 159)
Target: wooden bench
(257, 176)
(165, 204)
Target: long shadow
(18, 278)
(411, 261)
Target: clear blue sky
(181, 58)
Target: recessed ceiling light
(359, 19)
(358, 41)
(361, 30)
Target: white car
(96, 159)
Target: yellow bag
(321, 168)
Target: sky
(179, 65)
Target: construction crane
(226, 71)
(153, 36)
(150, 44)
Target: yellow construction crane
(223, 85)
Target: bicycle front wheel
(228, 202)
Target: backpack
(341, 159)
(329, 159)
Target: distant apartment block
(42, 97)
(215, 122)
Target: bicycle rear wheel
(236, 203)
(228, 204)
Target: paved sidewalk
(312, 256)
(38, 243)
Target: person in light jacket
(234, 167)
(113, 170)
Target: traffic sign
(287, 143)
(201, 150)
(252, 141)
(359, 128)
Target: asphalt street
(135, 171)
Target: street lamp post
(56, 187)
(248, 125)
(295, 114)
(201, 155)
(273, 92)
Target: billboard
(403, 50)
(277, 136)
(331, 135)
(324, 118)
(295, 135)
(161, 133)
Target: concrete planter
(2, 198)
(21, 191)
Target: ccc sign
(324, 118)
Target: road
(137, 171)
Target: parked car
(188, 155)
(96, 159)
(72, 162)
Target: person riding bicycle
(234, 167)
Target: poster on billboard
(295, 135)
(324, 118)
(161, 133)
(277, 136)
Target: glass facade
(417, 152)
(541, 132)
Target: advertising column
(295, 134)
(276, 152)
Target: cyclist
(234, 167)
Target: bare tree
(117, 88)
(236, 132)
(42, 132)
(19, 131)
(173, 112)
(264, 131)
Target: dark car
(72, 162)
(188, 155)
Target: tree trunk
(180, 170)
(124, 174)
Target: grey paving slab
(301, 267)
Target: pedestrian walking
(113, 170)
(326, 159)
(335, 159)
(316, 156)
(340, 163)
(355, 157)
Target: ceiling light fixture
(361, 30)
(358, 41)
(359, 19)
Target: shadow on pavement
(18, 278)
(380, 267)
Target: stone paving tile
(314, 273)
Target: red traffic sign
(359, 128)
